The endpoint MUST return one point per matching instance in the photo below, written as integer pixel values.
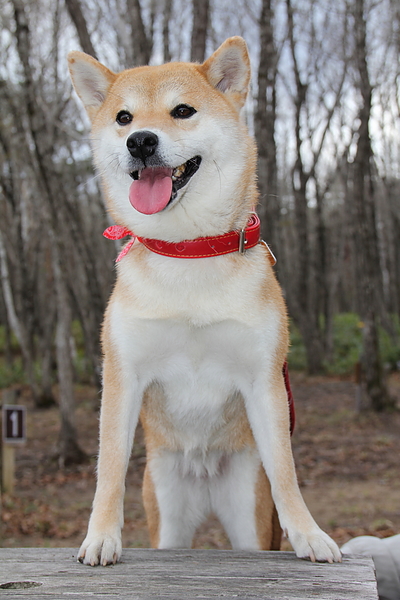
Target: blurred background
(324, 107)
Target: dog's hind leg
(151, 508)
(176, 503)
(269, 531)
(241, 498)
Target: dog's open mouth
(153, 188)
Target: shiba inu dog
(195, 333)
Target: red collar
(204, 247)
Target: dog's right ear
(91, 80)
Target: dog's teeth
(177, 172)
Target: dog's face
(169, 144)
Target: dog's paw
(103, 549)
(315, 545)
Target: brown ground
(348, 468)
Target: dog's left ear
(228, 70)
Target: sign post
(14, 432)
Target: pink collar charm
(116, 232)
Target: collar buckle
(242, 241)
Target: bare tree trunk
(365, 233)
(68, 449)
(75, 12)
(47, 317)
(16, 324)
(304, 309)
(199, 30)
(141, 43)
(265, 118)
(166, 22)
(8, 354)
(68, 446)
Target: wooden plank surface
(183, 574)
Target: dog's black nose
(142, 144)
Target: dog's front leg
(268, 413)
(120, 409)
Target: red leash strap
(290, 397)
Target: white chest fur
(198, 334)
(198, 368)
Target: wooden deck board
(184, 574)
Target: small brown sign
(14, 424)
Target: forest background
(325, 110)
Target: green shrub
(10, 375)
(347, 345)
(82, 365)
(13, 340)
(297, 358)
(389, 345)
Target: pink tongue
(152, 192)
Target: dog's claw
(317, 546)
(101, 549)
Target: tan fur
(151, 508)
(195, 346)
(269, 531)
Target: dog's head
(174, 157)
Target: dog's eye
(124, 117)
(183, 111)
